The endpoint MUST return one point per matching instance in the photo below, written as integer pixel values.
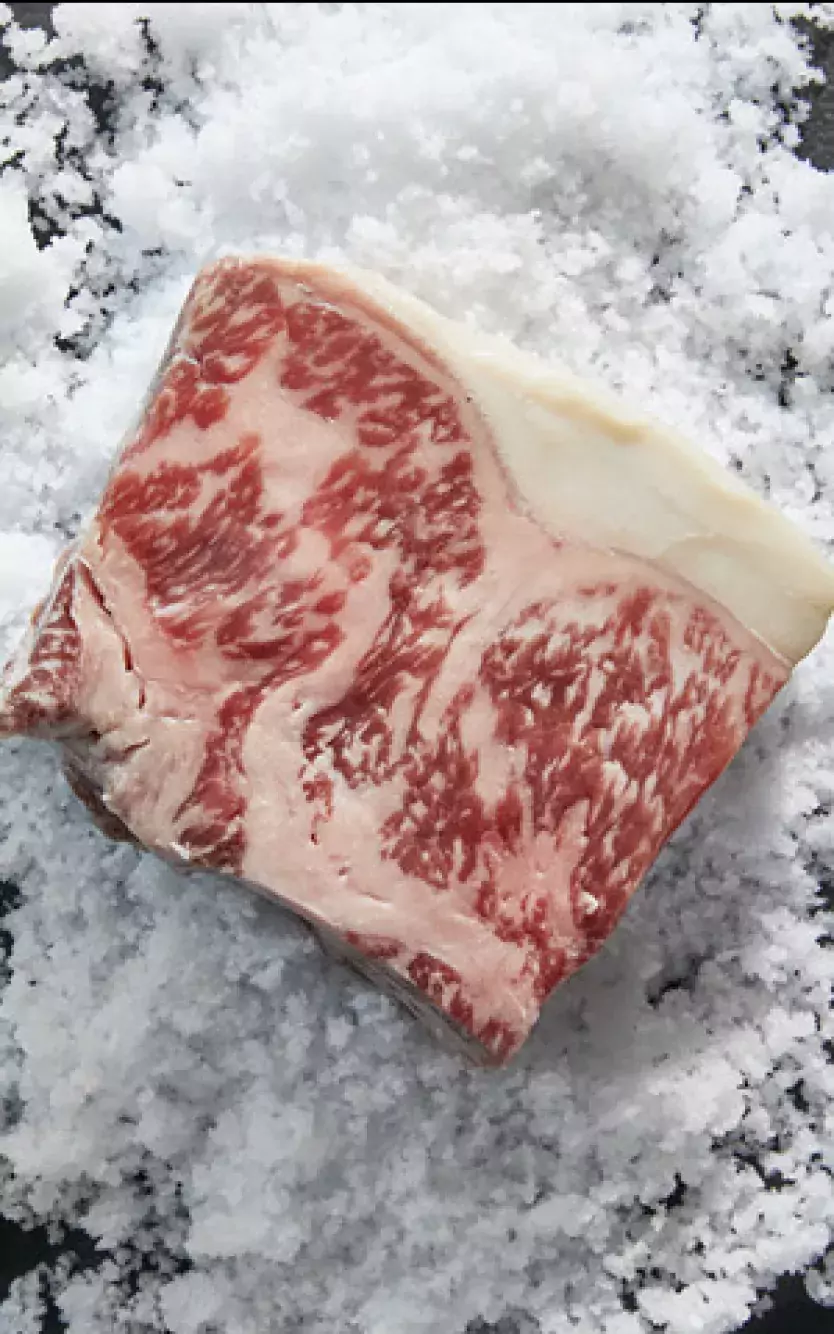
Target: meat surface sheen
(315, 638)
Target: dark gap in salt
(150, 82)
(816, 143)
(23, 1250)
(10, 899)
(817, 496)
(682, 979)
(796, 1093)
(11, 162)
(676, 1196)
(511, 1322)
(68, 525)
(788, 373)
(628, 1298)
(36, 15)
(773, 1180)
(789, 1295)
(99, 95)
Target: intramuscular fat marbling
(400, 626)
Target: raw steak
(396, 624)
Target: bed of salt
(254, 1139)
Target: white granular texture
(256, 1140)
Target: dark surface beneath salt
(23, 1251)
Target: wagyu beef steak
(430, 642)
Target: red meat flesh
(312, 639)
